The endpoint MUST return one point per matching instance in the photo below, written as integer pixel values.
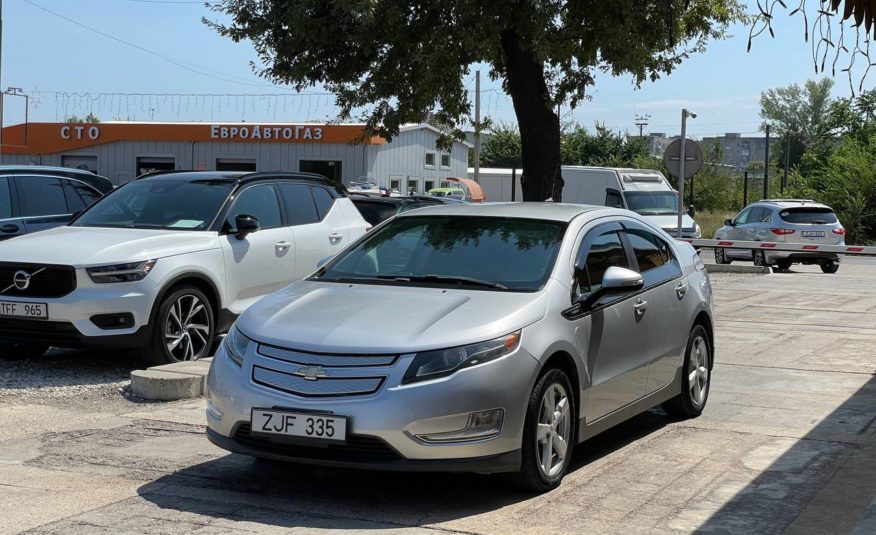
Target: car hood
(671, 221)
(361, 318)
(85, 246)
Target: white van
(644, 191)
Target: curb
(730, 268)
(169, 382)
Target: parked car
(364, 187)
(376, 209)
(34, 198)
(167, 261)
(783, 220)
(454, 193)
(517, 331)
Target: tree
(502, 147)
(604, 147)
(400, 60)
(88, 119)
(800, 113)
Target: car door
(615, 333)
(737, 233)
(318, 225)
(42, 201)
(10, 224)
(260, 262)
(665, 294)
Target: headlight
(438, 363)
(236, 345)
(134, 271)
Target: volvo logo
(311, 373)
(21, 280)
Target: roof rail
(787, 200)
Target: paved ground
(787, 444)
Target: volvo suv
(783, 220)
(164, 263)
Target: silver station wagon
(489, 338)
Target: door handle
(681, 289)
(335, 238)
(282, 246)
(640, 307)
(9, 229)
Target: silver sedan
(488, 338)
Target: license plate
(10, 309)
(299, 424)
(813, 234)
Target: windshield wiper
(444, 278)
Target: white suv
(164, 263)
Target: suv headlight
(131, 272)
(441, 362)
(236, 344)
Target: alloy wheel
(698, 371)
(554, 430)
(187, 328)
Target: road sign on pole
(693, 158)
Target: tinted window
(652, 202)
(613, 199)
(647, 249)
(808, 216)
(260, 202)
(605, 251)
(300, 207)
(759, 214)
(163, 204)
(454, 252)
(41, 195)
(74, 201)
(5, 199)
(742, 218)
(375, 213)
(86, 193)
(323, 200)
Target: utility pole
(766, 165)
(642, 122)
(1, 76)
(684, 115)
(477, 136)
(787, 161)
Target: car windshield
(487, 253)
(159, 204)
(652, 202)
(809, 216)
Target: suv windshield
(652, 202)
(446, 251)
(159, 204)
(808, 216)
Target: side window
(323, 200)
(74, 201)
(300, 205)
(605, 251)
(766, 216)
(88, 195)
(5, 199)
(41, 195)
(742, 218)
(260, 202)
(646, 248)
(613, 199)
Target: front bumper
(383, 427)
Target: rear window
(808, 216)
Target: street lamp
(684, 115)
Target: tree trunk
(539, 125)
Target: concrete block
(166, 386)
(192, 367)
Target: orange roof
(474, 189)
(49, 138)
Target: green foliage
(799, 112)
(501, 148)
(602, 148)
(88, 119)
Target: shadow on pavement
(822, 484)
(59, 368)
(240, 488)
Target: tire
(831, 267)
(784, 265)
(183, 328)
(10, 351)
(759, 257)
(543, 422)
(696, 377)
(721, 256)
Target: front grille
(39, 330)
(323, 386)
(45, 281)
(357, 448)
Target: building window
(235, 164)
(430, 184)
(395, 183)
(430, 159)
(445, 161)
(445, 184)
(147, 164)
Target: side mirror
(692, 211)
(246, 224)
(617, 280)
(729, 222)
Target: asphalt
(787, 444)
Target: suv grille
(42, 280)
(357, 448)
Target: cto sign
(80, 132)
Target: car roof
(100, 183)
(523, 210)
(791, 203)
(237, 176)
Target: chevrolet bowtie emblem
(311, 373)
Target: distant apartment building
(657, 142)
(738, 151)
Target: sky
(175, 68)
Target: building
(123, 150)
(738, 151)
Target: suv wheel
(830, 267)
(721, 256)
(184, 328)
(548, 434)
(784, 265)
(759, 257)
(10, 351)
(696, 377)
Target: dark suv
(34, 198)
